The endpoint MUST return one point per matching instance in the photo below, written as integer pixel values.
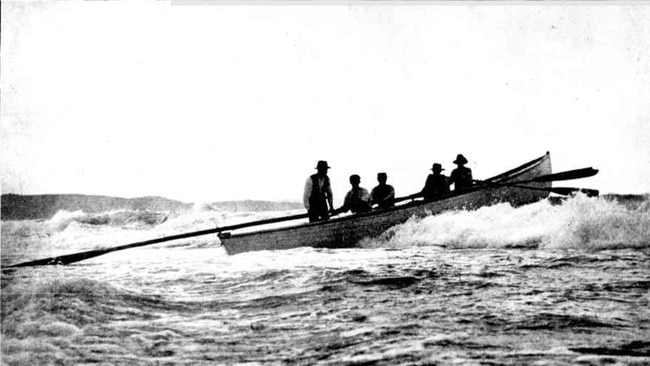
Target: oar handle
(409, 197)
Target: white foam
(579, 223)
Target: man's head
(460, 160)
(322, 167)
(436, 168)
(381, 178)
(355, 180)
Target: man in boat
(383, 195)
(462, 175)
(436, 184)
(357, 199)
(318, 194)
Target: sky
(211, 102)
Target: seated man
(383, 195)
(461, 176)
(436, 184)
(357, 199)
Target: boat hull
(347, 232)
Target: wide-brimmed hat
(322, 164)
(437, 167)
(460, 159)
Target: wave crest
(122, 218)
(579, 223)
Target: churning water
(540, 284)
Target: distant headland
(45, 206)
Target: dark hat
(322, 164)
(437, 167)
(380, 175)
(460, 159)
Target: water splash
(121, 218)
(579, 223)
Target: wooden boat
(346, 232)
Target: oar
(568, 175)
(76, 257)
(409, 197)
(565, 191)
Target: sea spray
(597, 223)
(132, 219)
(579, 223)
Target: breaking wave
(578, 223)
(121, 218)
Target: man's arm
(365, 198)
(346, 203)
(330, 197)
(426, 185)
(307, 193)
(391, 193)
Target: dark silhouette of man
(357, 199)
(436, 184)
(383, 195)
(317, 198)
(462, 175)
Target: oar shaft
(565, 191)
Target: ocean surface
(541, 284)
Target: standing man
(318, 194)
(462, 175)
(436, 184)
(383, 195)
(357, 199)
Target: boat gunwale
(494, 180)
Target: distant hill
(32, 207)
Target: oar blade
(568, 175)
(63, 259)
